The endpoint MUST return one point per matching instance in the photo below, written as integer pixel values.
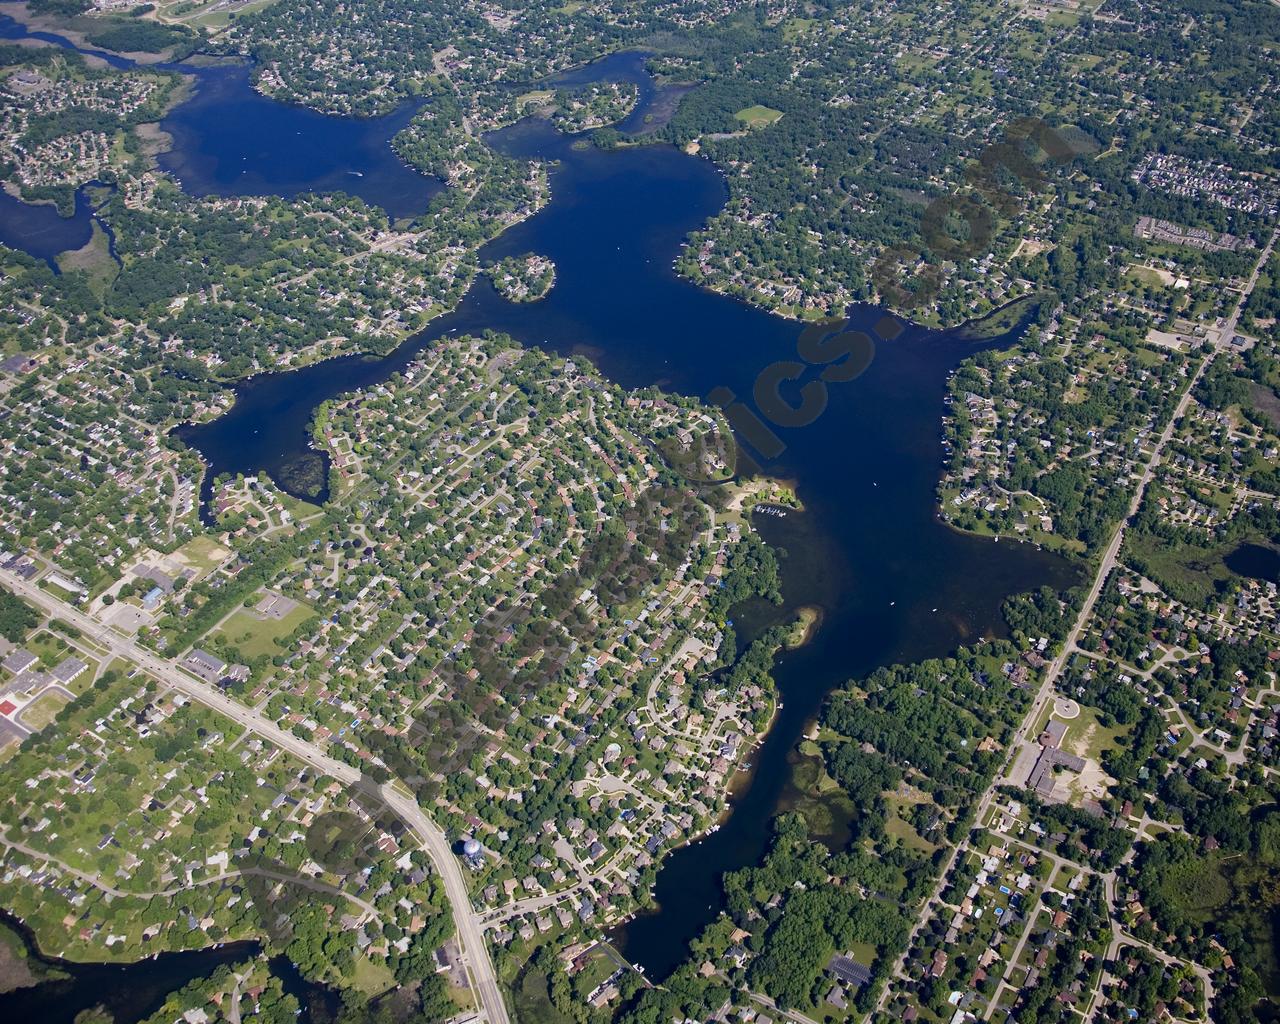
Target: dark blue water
(230, 141)
(129, 991)
(39, 230)
(869, 550)
(1255, 562)
(654, 103)
(135, 991)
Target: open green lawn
(253, 636)
(59, 592)
(1146, 276)
(1062, 19)
(370, 978)
(210, 15)
(1087, 736)
(48, 648)
(758, 116)
(85, 679)
(298, 508)
(597, 970)
(794, 28)
(902, 830)
(535, 98)
(1149, 356)
(94, 259)
(202, 553)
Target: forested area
(802, 903)
(751, 569)
(1210, 905)
(933, 717)
(130, 35)
(17, 618)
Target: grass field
(1148, 357)
(758, 116)
(1062, 19)
(1146, 276)
(370, 978)
(59, 592)
(50, 649)
(901, 829)
(794, 28)
(94, 259)
(1265, 400)
(211, 16)
(914, 62)
(1089, 738)
(597, 970)
(202, 554)
(85, 679)
(298, 508)
(1190, 574)
(254, 637)
(43, 709)
(1197, 886)
(535, 98)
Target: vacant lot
(42, 710)
(202, 554)
(532, 1000)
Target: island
(526, 278)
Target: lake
(39, 230)
(129, 991)
(894, 582)
(229, 140)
